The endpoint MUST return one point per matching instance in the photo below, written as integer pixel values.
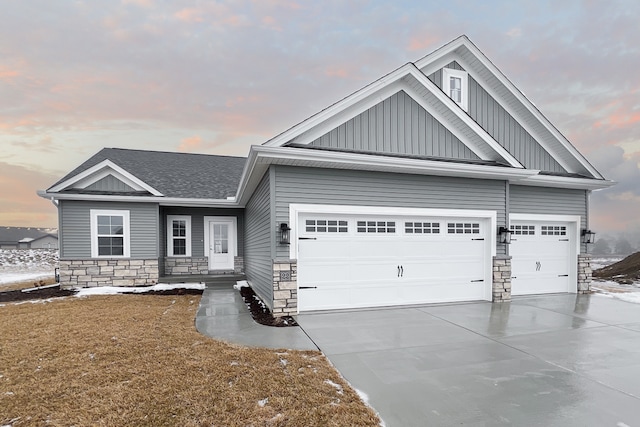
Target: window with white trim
(523, 230)
(455, 85)
(422, 227)
(463, 228)
(376, 226)
(553, 230)
(178, 235)
(110, 233)
(326, 226)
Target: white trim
(447, 73)
(449, 52)
(99, 171)
(297, 208)
(233, 242)
(94, 213)
(574, 222)
(567, 182)
(170, 236)
(162, 201)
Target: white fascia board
(391, 164)
(462, 115)
(567, 182)
(339, 106)
(161, 200)
(99, 171)
(529, 106)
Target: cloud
(20, 204)
(190, 144)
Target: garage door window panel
(553, 230)
(326, 226)
(463, 228)
(373, 227)
(422, 227)
(523, 230)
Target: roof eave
(162, 201)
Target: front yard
(138, 360)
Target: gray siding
(76, 229)
(344, 187)
(110, 183)
(397, 125)
(197, 227)
(498, 123)
(549, 201)
(258, 262)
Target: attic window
(455, 85)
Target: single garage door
(540, 257)
(348, 261)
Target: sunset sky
(217, 77)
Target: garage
(541, 256)
(372, 259)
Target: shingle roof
(14, 234)
(183, 175)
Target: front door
(221, 243)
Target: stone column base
(285, 287)
(584, 273)
(501, 278)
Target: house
(438, 182)
(28, 238)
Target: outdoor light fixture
(504, 235)
(284, 233)
(588, 236)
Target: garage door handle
(563, 240)
(308, 287)
(563, 275)
(477, 239)
(306, 238)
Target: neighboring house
(28, 238)
(401, 193)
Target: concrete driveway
(560, 360)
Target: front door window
(221, 238)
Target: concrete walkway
(224, 316)
(558, 360)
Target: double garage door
(348, 261)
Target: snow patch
(263, 402)
(241, 284)
(114, 290)
(338, 387)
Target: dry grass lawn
(138, 360)
(25, 284)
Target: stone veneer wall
(584, 273)
(501, 278)
(285, 288)
(177, 266)
(108, 272)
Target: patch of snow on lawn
(604, 261)
(241, 284)
(263, 402)
(114, 290)
(22, 265)
(338, 387)
(611, 289)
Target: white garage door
(540, 257)
(348, 261)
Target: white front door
(221, 242)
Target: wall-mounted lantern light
(284, 233)
(588, 236)
(504, 235)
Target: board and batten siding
(397, 125)
(502, 127)
(258, 260)
(75, 226)
(110, 183)
(197, 227)
(550, 201)
(364, 188)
